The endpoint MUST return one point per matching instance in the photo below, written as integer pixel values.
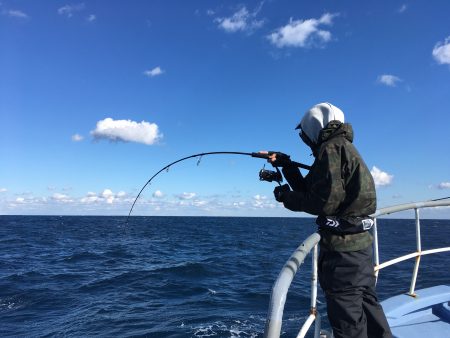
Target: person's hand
(281, 190)
(278, 159)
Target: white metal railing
(281, 285)
(419, 253)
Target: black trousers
(348, 281)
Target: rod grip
(266, 156)
(260, 155)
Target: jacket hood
(317, 118)
(336, 128)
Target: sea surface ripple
(173, 276)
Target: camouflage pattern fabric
(338, 184)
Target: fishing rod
(264, 175)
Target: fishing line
(200, 156)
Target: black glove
(282, 160)
(280, 190)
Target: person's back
(359, 197)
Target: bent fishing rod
(264, 175)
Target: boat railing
(285, 277)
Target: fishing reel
(270, 175)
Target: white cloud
(28, 202)
(242, 20)
(262, 202)
(61, 198)
(389, 80)
(381, 178)
(303, 33)
(259, 197)
(91, 197)
(69, 10)
(108, 202)
(77, 138)
(186, 195)
(441, 51)
(158, 194)
(15, 13)
(154, 72)
(91, 18)
(106, 196)
(200, 203)
(127, 131)
(107, 193)
(402, 8)
(443, 185)
(3, 190)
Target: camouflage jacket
(338, 184)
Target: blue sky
(96, 96)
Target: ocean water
(173, 276)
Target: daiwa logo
(332, 223)
(367, 224)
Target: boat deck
(425, 315)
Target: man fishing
(340, 190)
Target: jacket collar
(336, 129)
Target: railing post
(314, 311)
(419, 251)
(375, 247)
(314, 280)
(281, 286)
(318, 325)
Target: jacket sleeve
(324, 186)
(294, 178)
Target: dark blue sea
(173, 276)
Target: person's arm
(290, 172)
(324, 190)
(294, 178)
